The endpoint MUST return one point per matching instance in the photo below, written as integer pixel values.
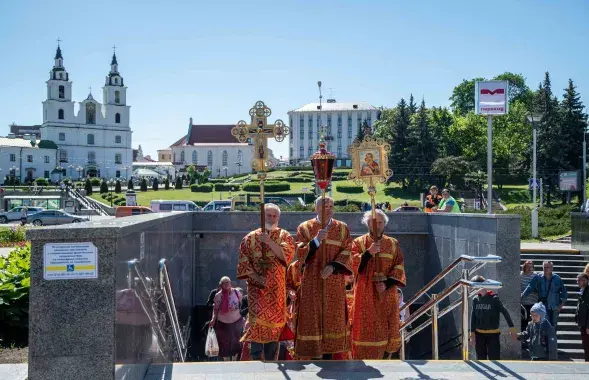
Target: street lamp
(585, 208)
(218, 172)
(71, 166)
(534, 119)
(110, 183)
(225, 168)
(14, 170)
(239, 165)
(79, 169)
(60, 169)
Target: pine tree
(574, 124)
(422, 150)
(103, 187)
(155, 185)
(143, 184)
(360, 133)
(130, 185)
(118, 187)
(398, 157)
(167, 184)
(412, 106)
(178, 185)
(88, 186)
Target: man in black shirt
(484, 323)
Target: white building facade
(95, 141)
(340, 120)
(22, 158)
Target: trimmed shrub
(103, 187)
(42, 181)
(299, 180)
(143, 184)
(226, 187)
(349, 189)
(118, 187)
(88, 186)
(347, 202)
(205, 188)
(155, 185)
(217, 180)
(167, 184)
(270, 187)
(178, 185)
(130, 185)
(95, 181)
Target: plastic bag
(212, 345)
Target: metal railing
(467, 289)
(166, 288)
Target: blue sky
(211, 60)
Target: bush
(88, 186)
(103, 187)
(143, 184)
(270, 187)
(95, 181)
(14, 234)
(155, 185)
(167, 184)
(118, 201)
(42, 181)
(349, 189)
(118, 187)
(178, 185)
(299, 180)
(347, 202)
(226, 187)
(205, 188)
(217, 180)
(130, 185)
(15, 284)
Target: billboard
(491, 97)
(569, 181)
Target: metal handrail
(432, 304)
(480, 262)
(165, 286)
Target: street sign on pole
(534, 183)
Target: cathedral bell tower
(58, 107)
(115, 96)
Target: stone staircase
(567, 264)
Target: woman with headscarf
(227, 320)
(526, 276)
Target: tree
(453, 170)
(130, 185)
(412, 106)
(155, 185)
(178, 185)
(103, 187)
(463, 97)
(469, 132)
(518, 89)
(360, 133)
(441, 120)
(143, 184)
(191, 172)
(398, 161)
(422, 148)
(167, 184)
(88, 186)
(574, 124)
(118, 187)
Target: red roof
(208, 134)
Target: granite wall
(580, 232)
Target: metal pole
(585, 171)
(489, 164)
(435, 343)
(541, 192)
(465, 329)
(534, 190)
(402, 352)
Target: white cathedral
(95, 141)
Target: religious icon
(370, 162)
(261, 149)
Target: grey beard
(271, 227)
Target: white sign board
(131, 199)
(70, 261)
(491, 97)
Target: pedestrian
(227, 320)
(23, 216)
(582, 313)
(526, 276)
(433, 199)
(448, 204)
(551, 292)
(484, 323)
(540, 336)
(586, 271)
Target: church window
(90, 113)
(118, 118)
(60, 75)
(61, 136)
(12, 157)
(46, 159)
(61, 92)
(225, 158)
(117, 97)
(118, 174)
(117, 139)
(90, 139)
(182, 157)
(91, 157)
(46, 174)
(194, 157)
(117, 81)
(118, 158)
(63, 156)
(29, 158)
(60, 114)
(210, 159)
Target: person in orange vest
(433, 199)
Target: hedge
(95, 181)
(347, 202)
(226, 187)
(349, 189)
(298, 180)
(270, 187)
(42, 181)
(205, 188)
(217, 180)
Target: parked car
(54, 217)
(406, 209)
(217, 205)
(15, 213)
(122, 211)
(168, 206)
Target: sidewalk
(548, 247)
(5, 251)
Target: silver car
(15, 213)
(53, 217)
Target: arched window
(117, 97)
(90, 113)
(225, 158)
(60, 114)
(194, 157)
(118, 118)
(210, 160)
(60, 75)
(90, 139)
(182, 157)
(116, 80)
(61, 92)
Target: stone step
(569, 343)
(568, 334)
(568, 326)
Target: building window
(118, 174)
(359, 120)
(339, 119)
(60, 114)
(46, 159)
(210, 159)
(225, 158)
(60, 75)
(61, 92)
(369, 120)
(350, 133)
(302, 128)
(328, 124)
(63, 156)
(117, 97)
(117, 139)
(46, 174)
(91, 157)
(118, 118)
(116, 80)
(194, 157)
(29, 158)
(310, 151)
(12, 157)
(63, 172)
(182, 157)
(61, 136)
(301, 152)
(310, 126)
(90, 139)
(118, 158)
(90, 113)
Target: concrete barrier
(580, 232)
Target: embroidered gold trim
(319, 337)
(370, 344)
(399, 267)
(333, 242)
